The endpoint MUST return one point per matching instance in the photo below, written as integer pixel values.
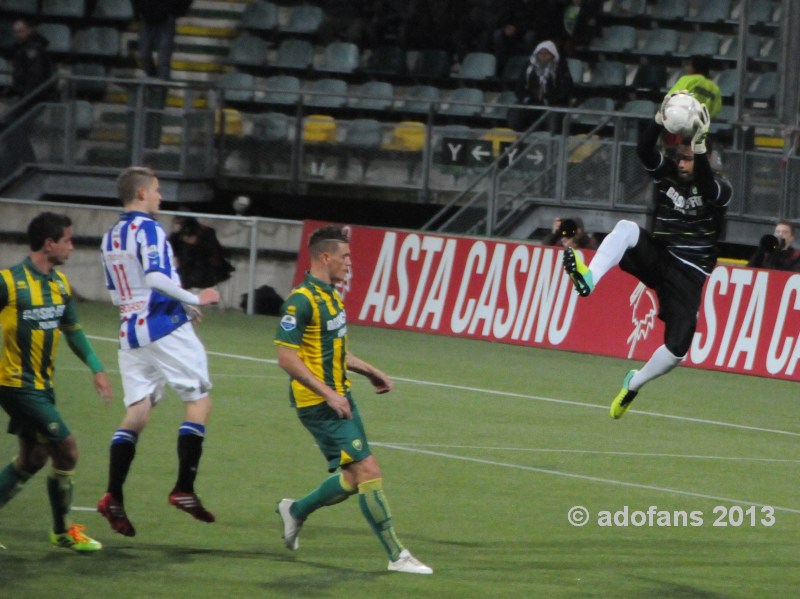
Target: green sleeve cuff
(81, 347)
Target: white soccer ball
(680, 113)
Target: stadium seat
(374, 95)
(272, 126)
(319, 128)
(640, 107)
(386, 61)
(721, 124)
(514, 67)
(432, 64)
(629, 8)
(364, 134)
(113, 10)
(248, 50)
(328, 93)
(237, 87)
(420, 98)
(650, 77)
(294, 54)
(339, 57)
(712, 11)
(477, 66)
(576, 70)
(260, 16)
(282, 89)
(94, 87)
(20, 7)
(671, 10)
(5, 74)
(593, 103)
(608, 73)
(304, 19)
(58, 36)
(617, 38)
(762, 92)
(96, 41)
(761, 11)
(702, 43)
(408, 136)
(728, 82)
(499, 107)
(465, 101)
(660, 42)
(68, 9)
(753, 46)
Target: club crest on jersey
(288, 323)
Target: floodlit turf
(485, 449)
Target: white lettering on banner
(776, 363)
(394, 310)
(491, 286)
(700, 351)
(740, 278)
(389, 308)
(750, 330)
(454, 150)
(519, 258)
(459, 322)
(437, 293)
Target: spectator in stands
(389, 23)
(344, 21)
(31, 63)
(578, 24)
(697, 80)
(570, 232)
(545, 82)
(31, 69)
(202, 261)
(157, 33)
(516, 31)
(775, 251)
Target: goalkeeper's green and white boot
(579, 273)
(624, 398)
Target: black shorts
(679, 288)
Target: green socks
(333, 490)
(59, 490)
(11, 480)
(376, 510)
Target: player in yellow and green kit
(36, 307)
(312, 349)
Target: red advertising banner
(516, 292)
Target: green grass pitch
(485, 448)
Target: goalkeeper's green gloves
(700, 129)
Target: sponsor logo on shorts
(288, 323)
(357, 445)
(53, 427)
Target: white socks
(623, 237)
(661, 362)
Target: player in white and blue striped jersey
(158, 345)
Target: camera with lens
(770, 244)
(568, 228)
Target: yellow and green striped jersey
(313, 322)
(34, 309)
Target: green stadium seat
(304, 19)
(386, 61)
(671, 10)
(477, 66)
(248, 50)
(616, 38)
(113, 10)
(58, 37)
(282, 89)
(328, 93)
(65, 9)
(712, 11)
(96, 41)
(260, 16)
(237, 87)
(419, 99)
(294, 54)
(660, 42)
(374, 95)
(465, 101)
(432, 64)
(339, 57)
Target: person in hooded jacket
(545, 82)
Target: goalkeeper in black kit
(674, 258)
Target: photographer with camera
(775, 251)
(569, 232)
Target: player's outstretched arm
(379, 379)
(102, 385)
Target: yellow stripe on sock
(376, 484)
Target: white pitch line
(528, 397)
(597, 452)
(585, 477)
